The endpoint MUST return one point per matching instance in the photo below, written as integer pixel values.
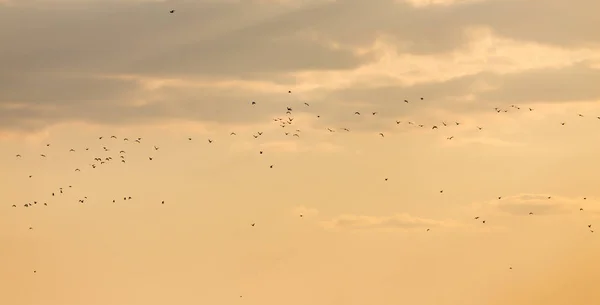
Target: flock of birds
(286, 121)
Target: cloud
(539, 204)
(574, 83)
(92, 61)
(305, 211)
(398, 221)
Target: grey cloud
(202, 38)
(211, 104)
(245, 39)
(43, 49)
(577, 82)
(57, 90)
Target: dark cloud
(577, 82)
(207, 104)
(50, 55)
(234, 39)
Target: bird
(172, 11)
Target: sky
(314, 204)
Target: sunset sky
(74, 71)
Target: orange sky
(74, 71)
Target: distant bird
(172, 11)
(434, 127)
(253, 224)
(381, 134)
(441, 191)
(253, 103)
(270, 166)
